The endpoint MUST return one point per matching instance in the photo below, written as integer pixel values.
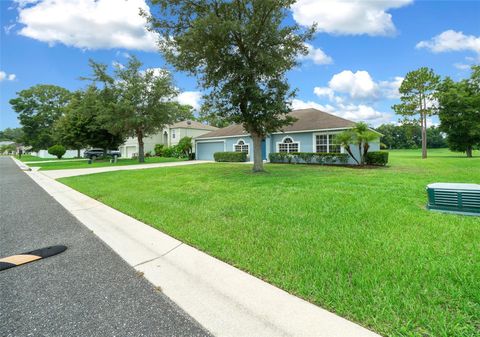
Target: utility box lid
(454, 186)
(454, 198)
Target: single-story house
(169, 136)
(313, 131)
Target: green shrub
(230, 156)
(57, 150)
(173, 152)
(159, 148)
(185, 146)
(379, 158)
(308, 158)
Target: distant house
(169, 136)
(313, 131)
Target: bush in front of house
(173, 152)
(159, 148)
(230, 156)
(57, 150)
(308, 158)
(378, 158)
(184, 146)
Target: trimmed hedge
(57, 150)
(308, 158)
(230, 156)
(378, 158)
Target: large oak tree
(240, 50)
(38, 108)
(459, 112)
(140, 102)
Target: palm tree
(359, 135)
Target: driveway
(87, 290)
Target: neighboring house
(169, 136)
(313, 131)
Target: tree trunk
(424, 128)
(469, 152)
(360, 153)
(257, 153)
(141, 155)
(349, 151)
(78, 153)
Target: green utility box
(454, 198)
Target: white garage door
(131, 150)
(206, 150)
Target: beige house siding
(130, 147)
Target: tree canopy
(409, 136)
(240, 51)
(139, 102)
(13, 134)
(38, 108)
(459, 112)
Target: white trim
(244, 143)
(314, 141)
(282, 142)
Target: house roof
(306, 120)
(192, 125)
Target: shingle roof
(307, 119)
(192, 125)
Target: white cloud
(347, 16)
(390, 89)
(358, 85)
(299, 104)
(451, 40)
(87, 24)
(191, 98)
(462, 66)
(361, 112)
(324, 92)
(316, 55)
(7, 77)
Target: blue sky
(357, 60)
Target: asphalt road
(87, 290)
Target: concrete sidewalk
(56, 174)
(223, 299)
(87, 290)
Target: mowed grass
(59, 165)
(28, 157)
(357, 242)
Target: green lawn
(357, 242)
(28, 157)
(98, 163)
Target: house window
(328, 143)
(241, 146)
(288, 145)
(173, 133)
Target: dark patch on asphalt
(88, 290)
(35, 255)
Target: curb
(222, 298)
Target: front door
(264, 149)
